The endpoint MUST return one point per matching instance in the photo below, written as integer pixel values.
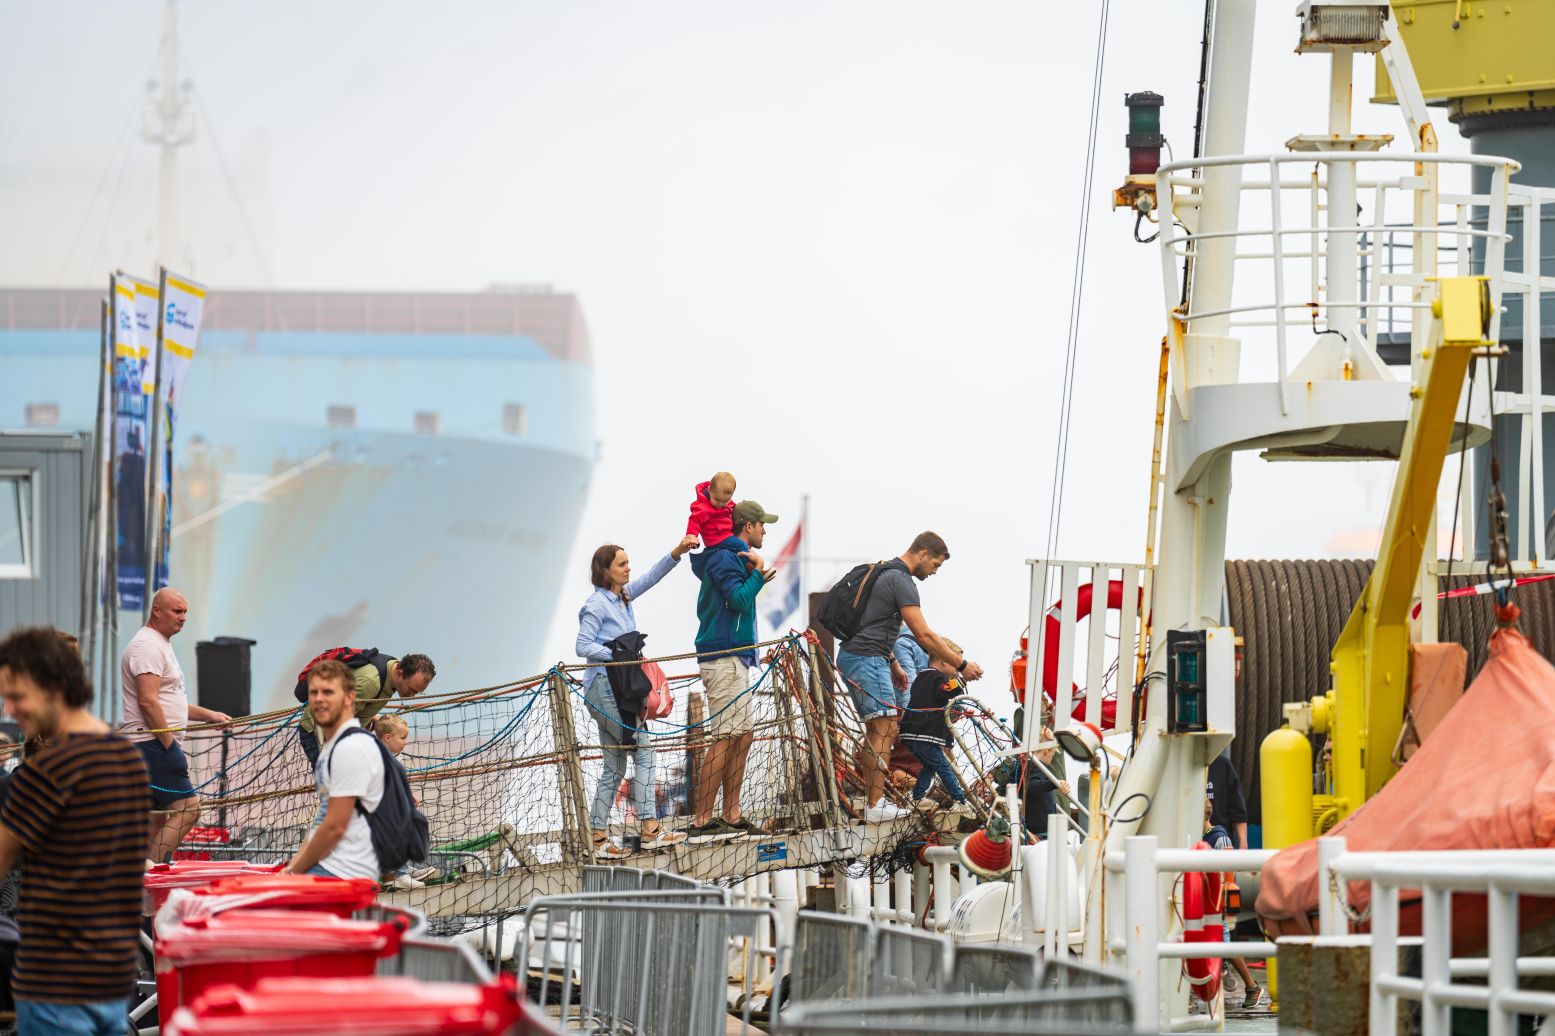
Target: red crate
(340, 896)
(165, 877)
(240, 947)
(361, 1007)
(199, 836)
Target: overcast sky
(826, 246)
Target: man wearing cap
(732, 575)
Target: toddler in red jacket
(712, 510)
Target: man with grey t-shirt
(876, 681)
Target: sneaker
(662, 839)
(743, 826)
(425, 873)
(714, 830)
(405, 881)
(923, 805)
(884, 811)
(1251, 999)
(605, 849)
(963, 809)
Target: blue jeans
(935, 764)
(42, 1018)
(617, 746)
(869, 683)
(318, 870)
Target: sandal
(661, 838)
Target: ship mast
(169, 124)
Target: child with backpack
(926, 728)
(393, 732)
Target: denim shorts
(169, 770)
(869, 682)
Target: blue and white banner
(181, 308)
(134, 326)
(781, 599)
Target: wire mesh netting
(506, 776)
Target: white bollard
(945, 892)
(785, 900)
(1054, 937)
(1144, 939)
(856, 896)
(906, 911)
(1330, 913)
(880, 898)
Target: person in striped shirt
(77, 815)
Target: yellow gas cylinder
(1285, 769)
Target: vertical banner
(134, 309)
(181, 309)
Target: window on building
(340, 416)
(514, 420)
(42, 415)
(18, 524)
(428, 422)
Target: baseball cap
(751, 511)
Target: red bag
(659, 701)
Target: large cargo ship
(399, 470)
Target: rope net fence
(506, 776)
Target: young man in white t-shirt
(151, 683)
(349, 770)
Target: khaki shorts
(729, 709)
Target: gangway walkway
(505, 775)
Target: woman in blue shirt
(606, 615)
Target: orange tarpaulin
(1485, 779)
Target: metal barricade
(653, 963)
(1050, 1012)
(905, 960)
(994, 969)
(434, 960)
(830, 958)
(413, 923)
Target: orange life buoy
(1082, 607)
(1201, 922)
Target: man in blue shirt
(732, 575)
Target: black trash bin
(225, 675)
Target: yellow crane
(1363, 712)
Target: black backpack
(399, 829)
(843, 609)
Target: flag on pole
(134, 313)
(781, 599)
(180, 310)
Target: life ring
(1202, 923)
(1050, 635)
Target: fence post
(820, 730)
(1384, 958)
(1330, 914)
(1503, 958)
(1435, 959)
(577, 838)
(1144, 939)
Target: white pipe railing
(1142, 863)
(1502, 876)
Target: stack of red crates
(281, 955)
